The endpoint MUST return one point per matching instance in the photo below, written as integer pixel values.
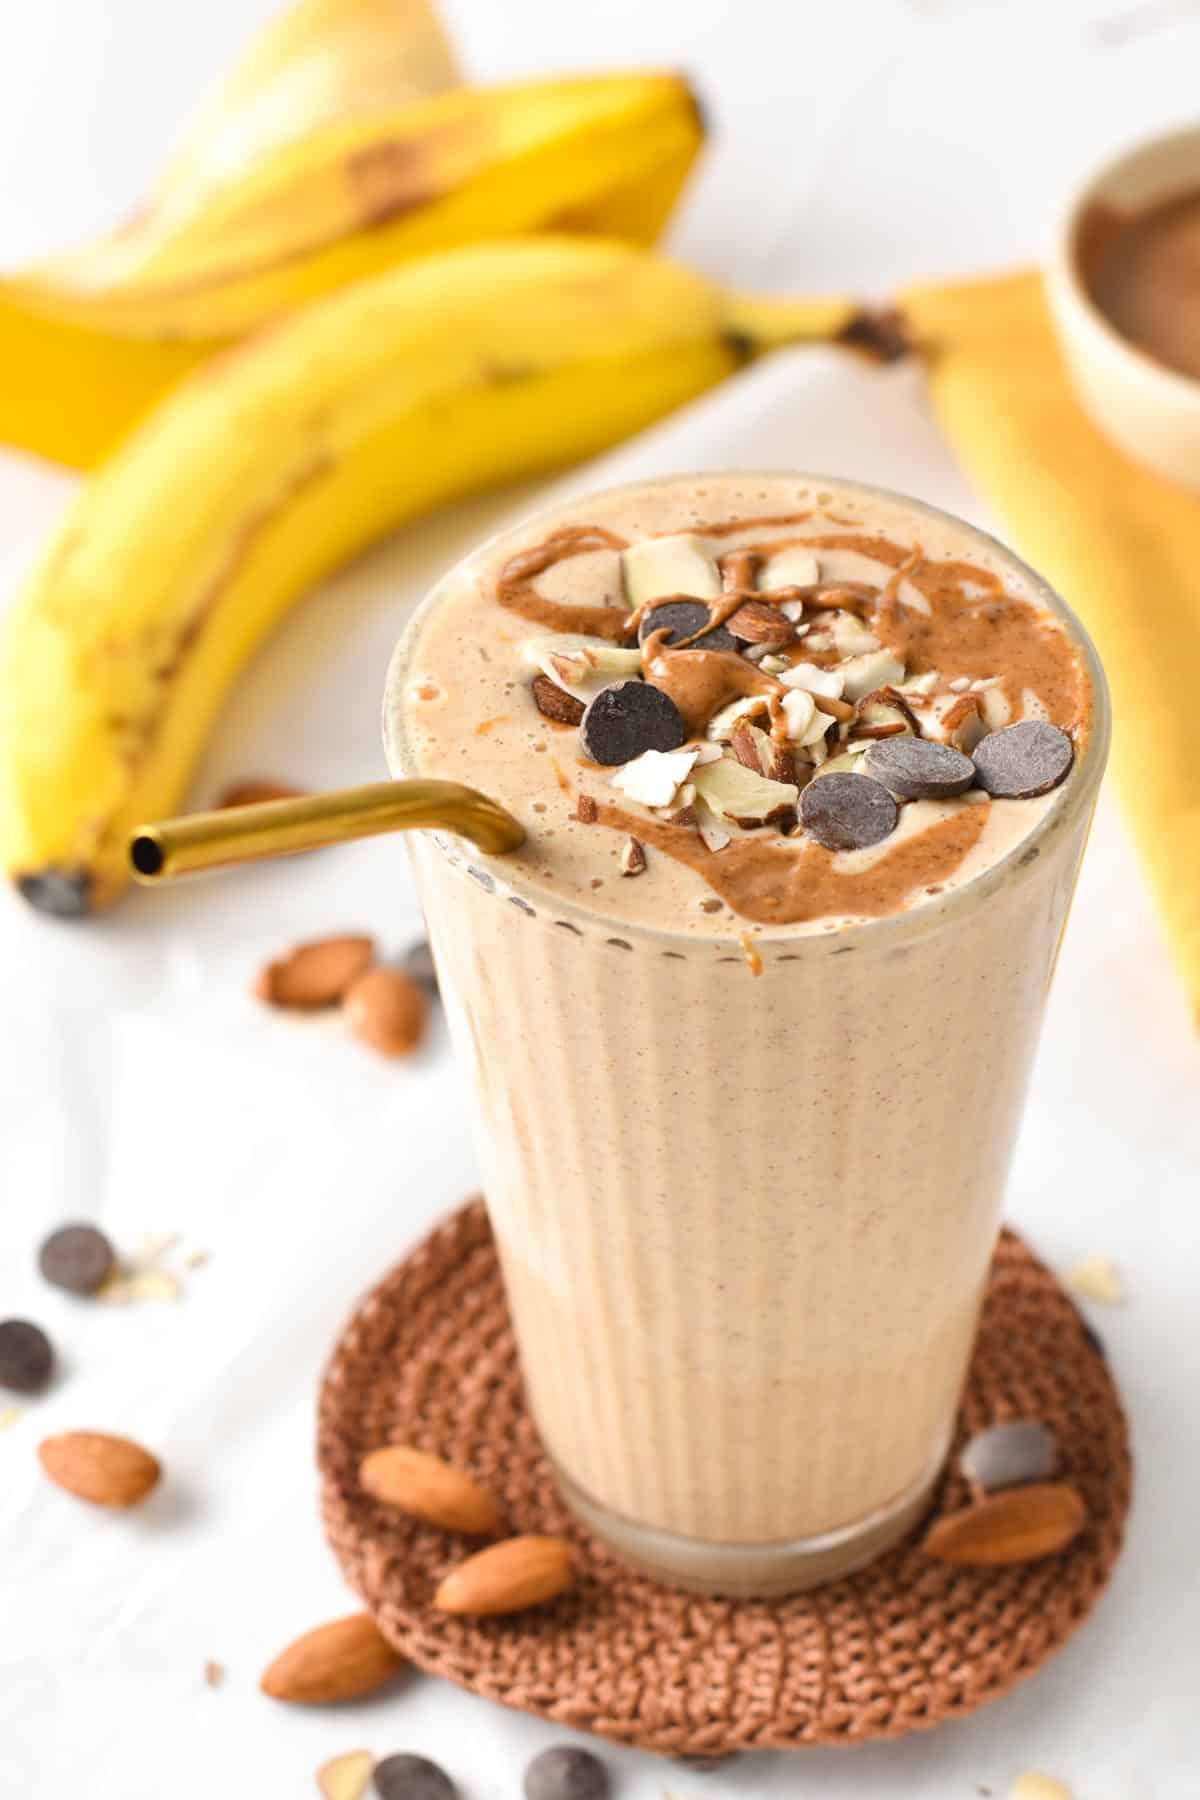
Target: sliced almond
(100, 1468)
(791, 568)
(722, 725)
(654, 777)
(883, 713)
(997, 713)
(962, 723)
(1096, 1278)
(659, 568)
(877, 668)
(554, 702)
(714, 837)
(315, 974)
(751, 747)
(1035, 1786)
(425, 1487)
(812, 680)
(1015, 1525)
(633, 857)
(850, 635)
(345, 1777)
(339, 1661)
(735, 792)
(507, 1577)
(806, 722)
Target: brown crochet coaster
(428, 1359)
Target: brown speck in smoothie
(587, 812)
(428, 690)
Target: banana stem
(238, 834)
(758, 323)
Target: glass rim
(1076, 792)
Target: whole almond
(758, 622)
(94, 1466)
(257, 789)
(315, 974)
(427, 1488)
(387, 1009)
(1014, 1525)
(338, 1661)
(507, 1577)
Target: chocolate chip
(847, 812)
(78, 1258)
(1005, 1455)
(681, 619)
(554, 702)
(1023, 760)
(417, 961)
(627, 718)
(565, 1773)
(407, 1777)
(26, 1357)
(914, 769)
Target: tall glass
(745, 1224)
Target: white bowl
(1146, 408)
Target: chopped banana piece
(657, 568)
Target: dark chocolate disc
(78, 1258)
(409, 1777)
(627, 718)
(847, 812)
(1023, 760)
(565, 1772)
(682, 618)
(26, 1357)
(912, 768)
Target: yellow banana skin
(90, 339)
(274, 463)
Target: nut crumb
(9, 1416)
(1096, 1278)
(633, 857)
(214, 1674)
(586, 810)
(345, 1777)
(196, 1259)
(1034, 1786)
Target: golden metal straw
(236, 834)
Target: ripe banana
(90, 339)
(275, 462)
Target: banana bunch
(303, 176)
(269, 466)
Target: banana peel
(281, 458)
(90, 339)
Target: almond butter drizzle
(973, 635)
(784, 881)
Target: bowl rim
(1063, 264)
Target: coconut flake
(655, 777)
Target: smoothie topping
(808, 685)
(628, 719)
(848, 812)
(1023, 760)
(911, 768)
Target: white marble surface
(855, 144)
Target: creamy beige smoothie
(806, 771)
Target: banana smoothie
(806, 771)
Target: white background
(855, 145)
